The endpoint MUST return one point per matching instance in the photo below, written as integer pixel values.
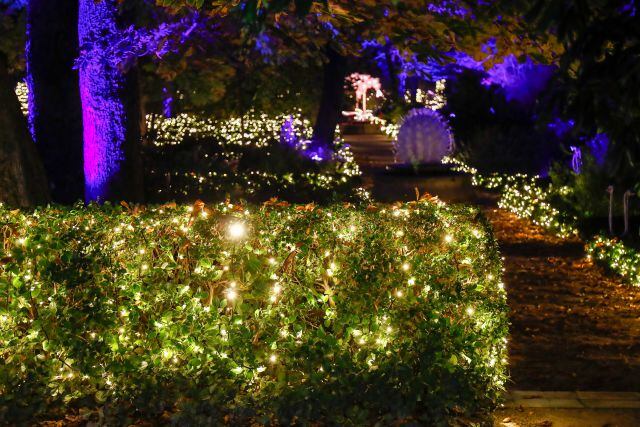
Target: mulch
(573, 325)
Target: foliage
(244, 157)
(617, 257)
(529, 198)
(586, 197)
(494, 134)
(526, 196)
(271, 314)
(291, 32)
(558, 209)
(599, 70)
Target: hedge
(616, 256)
(235, 314)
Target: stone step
(371, 151)
(366, 138)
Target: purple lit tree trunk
(55, 113)
(22, 178)
(330, 112)
(110, 111)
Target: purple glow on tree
(14, 4)
(103, 111)
(264, 45)
(31, 104)
(521, 81)
(449, 8)
(393, 65)
(629, 8)
(561, 128)
(599, 147)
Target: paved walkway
(573, 326)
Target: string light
(212, 273)
(232, 294)
(237, 230)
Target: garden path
(573, 327)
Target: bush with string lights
(251, 314)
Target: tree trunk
(55, 112)
(110, 111)
(22, 178)
(330, 112)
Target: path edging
(573, 399)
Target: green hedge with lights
(241, 315)
(616, 256)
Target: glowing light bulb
(448, 238)
(273, 358)
(470, 311)
(406, 266)
(237, 230)
(231, 294)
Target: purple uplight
(103, 113)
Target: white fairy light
(237, 230)
(232, 294)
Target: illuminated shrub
(619, 258)
(528, 198)
(244, 157)
(424, 137)
(257, 314)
